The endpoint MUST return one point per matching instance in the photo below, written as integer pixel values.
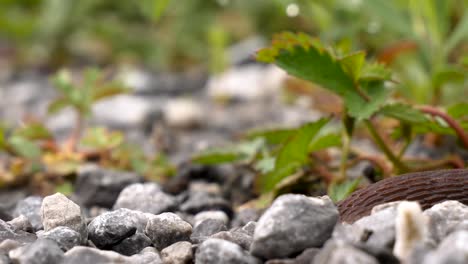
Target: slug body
(427, 188)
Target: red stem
(450, 121)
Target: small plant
(365, 88)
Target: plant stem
(344, 156)
(401, 168)
(450, 121)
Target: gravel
(295, 229)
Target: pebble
(39, 252)
(292, 224)
(88, 255)
(178, 253)
(112, 227)
(31, 208)
(133, 244)
(58, 210)
(217, 215)
(21, 223)
(145, 197)
(65, 237)
(97, 186)
(215, 250)
(205, 229)
(445, 217)
(167, 228)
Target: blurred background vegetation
(421, 39)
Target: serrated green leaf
(25, 147)
(310, 61)
(358, 107)
(458, 110)
(352, 64)
(324, 142)
(339, 191)
(292, 155)
(405, 113)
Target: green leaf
(65, 188)
(448, 75)
(305, 58)
(272, 136)
(33, 131)
(352, 64)
(375, 71)
(25, 147)
(405, 113)
(292, 155)
(324, 142)
(458, 110)
(108, 91)
(459, 34)
(339, 191)
(358, 107)
(62, 81)
(217, 157)
(265, 165)
(101, 138)
(57, 105)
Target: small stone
(444, 217)
(205, 229)
(66, 238)
(183, 113)
(82, 255)
(31, 208)
(377, 229)
(96, 186)
(240, 238)
(4, 259)
(453, 249)
(215, 250)
(218, 215)
(306, 256)
(201, 201)
(249, 228)
(411, 229)
(39, 252)
(166, 229)
(8, 245)
(145, 197)
(292, 224)
(8, 232)
(335, 252)
(244, 216)
(21, 223)
(110, 228)
(178, 253)
(132, 245)
(58, 210)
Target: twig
(450, 121)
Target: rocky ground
(114, 217)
